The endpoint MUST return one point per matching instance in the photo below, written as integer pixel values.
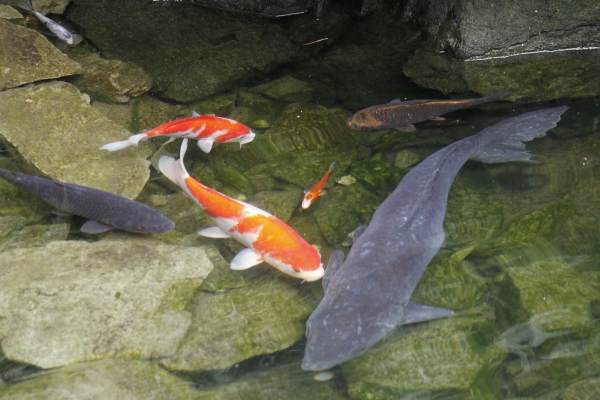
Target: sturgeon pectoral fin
(406, 128)
(335, 260)
(245, 259)
(214, 232)
(205, 145)
(419, 313)
(95, 227)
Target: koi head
(308, 199)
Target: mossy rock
(279, 203)
(264, 316)
(285, 89)
(230, 176)
(374, 174)
(261, 106)
(446, 358)
(557, 295)
(221, 105)
(538, 227)
(343, 209)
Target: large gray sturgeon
(105, 210)
(369, 294)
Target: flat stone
(26, 56)
(103, 379)
(285, 89)
(73, 301)
(264, 316)
(39, 235)
(441, 357)
(279, 203)
(7, 12)
(111, 80)
(72, 133)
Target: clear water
(519, 266)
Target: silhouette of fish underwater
(104, 210)
(369, 294)
(401, 115)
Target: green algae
(285, 89)
(221, 105)
(374, 174)
(281, 203)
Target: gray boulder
(73, 301)
(53, 131)
(103, 379)
(26, 56)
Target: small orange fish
(266, 237)
(311, 194)
(207, 129)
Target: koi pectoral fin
(94, 227)
(322, 192)
(245, 259)
(205, 145)
(419, 313)
(214, 232)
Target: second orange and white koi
(310, 195)
(207, 129)
(266, 237)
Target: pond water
(126, 315)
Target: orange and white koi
(310, 195)
(266, 237)
(207, 129)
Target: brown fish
(401, 115)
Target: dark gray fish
(368, 295)
(104, 210)
(401, 115)
(60, 31)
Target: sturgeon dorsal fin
(335, 261)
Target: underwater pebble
(157, 200)
(346, 180)
(260, 124)
(323, 376)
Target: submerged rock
(103, 379)
(264, 316)
(111, 80)
(26, 56)
(442, 358)
(203, 51)
(39, 235)
(285, 89)
(52, 130)
(279, 203)
(74, 301)
(556, 294)
(221, 105)
(7, 12)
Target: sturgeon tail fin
(174, 169)
(132, 141)
(504, 141)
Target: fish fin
(214, 232)
(437, 119)
(28, 7)
(172, 168)
(169, 141)
(94, 227)
(359, 231)
(61, 213)
(195, 114)
(211, 115)
(506, 138)
(245, 259)
(419, 313)
(331, 166)
(406, 128)
(335, 260)
(205, 145)
(306, 191)
(247, 138)
(322, 192)
(493, 96)
(132, 141)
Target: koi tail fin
(174, 169)
(504, 141)
(492, 97)
(331, 167)
(132, 141)
(28, 7)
